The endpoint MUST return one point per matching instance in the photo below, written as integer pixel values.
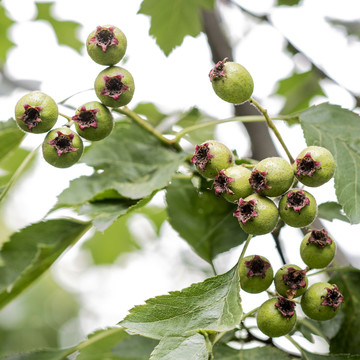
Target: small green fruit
(106, 45)
(272, 177)
(231, 82)
(62, 147)
(210, 157)
(93, 121)
(257, 215)
(276, 317)
(36, 112)
(114, 86)
(315, 166)
(233, 183)
(298, 208)
(321, 301)
(255, 273)
(317, 249)
(290, 281)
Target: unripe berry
(298, 208)
(272, 177)
(321, 301)
(210, 157)
(315, 166)
(276, 317)
(231, 82)
(62, 147)
(255, 273)
(93, 121)
(114, 86)
(36, 112)
(106, 45)
(290, 281)
(257, 215)
(317, 249)
(233, 183)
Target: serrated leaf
(10, 137)
(181, 347)
(6, 44)
(205, 221)
(66, 31)
(351, 27)
(132, 162)
(224, 352)
(298, 90)
(331, 210)
(213, 304)
(153, 115)
(31, 251)
(306, 355)
(347, 339)
(338, 130)
(170, 24)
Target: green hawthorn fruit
(298, 208)
(106, 45)
(62, 147)
(315, 166)
(114, 86)
(233, 183)
(36, 112)
(231, 82)
(255, 273)
(211, 157)
(321, 301)
(290, 281)
(276, 317)
(272, 177)
(93, 121)
(317, 249)
(257, 215)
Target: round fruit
(276, 317)
(36, 112)
(114, 86)
(231, 82)
(210, 157)
(290, 281)
(298, 208)
(62, 147)
(317, 249)
(315, 166)
(106, 45)
(272, 177)
(93, 121)
(233, 183)
(257, 215)
(321, 301)
(255, 273)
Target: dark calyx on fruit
(63, 143)
(294, 279)
(86, 118)
(31, 116)
(202, 156)
(320, 238)
(333, 298)
(296, 200)
(218, 70)
(221, 184)
(257, 266)
(307, 165)
(285, 306)
(114, 87)
(104, 37)
(246, 210)
(258, 180)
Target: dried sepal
(257, 267)
(320, 238)
(86, 118)
(296, 200)
(306, 166)
(63, 143)
(202, 156)
(31, 116)
(286, 307)
(333, 298)
(221, 183)
(104, 37)
(246, 210)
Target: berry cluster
(37, 112)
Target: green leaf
(32, 250)
(351, 27)
(10, 137)
(130, 161)
(347, 339)
(205, 221)
(151, 112)
(306, 355)
(224, 352)
(181, 347)
(213, 304)
(50, 354)
(288, 2)
(338, 130)
(6, 44)
(170, 24)
(331, 210)
(66, 31)
(298, 90)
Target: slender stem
(244, 248)
(213, 268)
(273, 128)
(68, 118)
(249, 313)
(328, 269)
(297, 346)
(69, 97)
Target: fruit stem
(328, 269)
(272, 127)
(296, 345)
(68, 118)
(249, 313)
(244, 248)
(147, 126)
